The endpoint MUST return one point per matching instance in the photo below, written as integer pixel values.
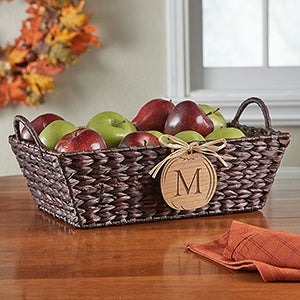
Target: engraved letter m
(187, 188)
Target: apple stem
(121, 122)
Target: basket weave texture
(113, 187)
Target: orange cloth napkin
(275, 254)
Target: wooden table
(42, 258)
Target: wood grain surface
(43, 258)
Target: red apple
(139, 139)
(81, 139)
(153, 114)
(187, 115)
(38, 124)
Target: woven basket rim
(142, 148)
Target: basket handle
(263, 107)
(16, 124)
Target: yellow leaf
(56, 35)
(60, 54)
(38, 84)
(4, 67)
(71, 16)
(16, 56)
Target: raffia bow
(181, 147)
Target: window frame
(284, 104)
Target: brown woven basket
(113, 187)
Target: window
(222, 52)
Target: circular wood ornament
(188, 181)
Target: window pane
(232, 33)
(284, 33)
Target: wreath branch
(52, 37)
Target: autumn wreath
(55, 33)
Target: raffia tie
(181, 147)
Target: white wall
(127, 71)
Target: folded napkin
(275, 254)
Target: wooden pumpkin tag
(188, 181)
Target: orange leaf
(12, 90)
(90, 30)
(44, 67)
(34, 9)
(31, 34)
(82, 40)
(17, 93)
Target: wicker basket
(113, 187)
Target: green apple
(190, 136)
(227, 133)
(215, 115)
(112, 126)
(54, 131)
(158, 134)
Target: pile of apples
(187, 120)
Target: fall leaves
(55, 33)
